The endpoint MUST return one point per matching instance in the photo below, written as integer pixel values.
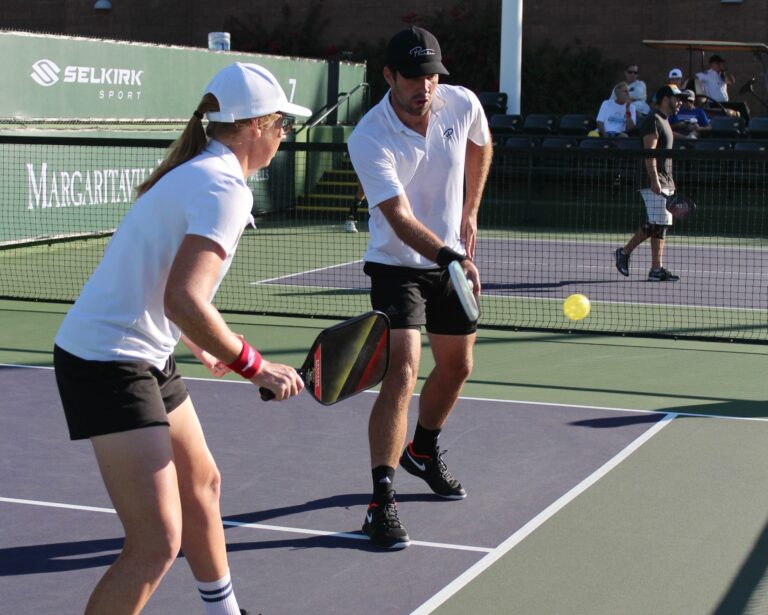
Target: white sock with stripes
(219, 597)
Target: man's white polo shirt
(391, 159)
(120, 314)
(714, 85)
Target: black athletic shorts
(101, 397)
(415, 297)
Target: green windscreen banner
(57, 77)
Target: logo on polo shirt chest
(448, 134)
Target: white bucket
(218, 41)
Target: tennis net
(550, 222)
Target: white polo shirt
(391, 159)
(120, 313)
(714, 85)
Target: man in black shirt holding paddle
(656, 134)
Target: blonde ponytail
(191, 142)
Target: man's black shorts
(415, 297)
(101, 397)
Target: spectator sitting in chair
(637, 91)
(690, 122)
(617, 115)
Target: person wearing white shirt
(717, 79)
(637, 91)
(117, 379)
(617, 116)
(413, 153)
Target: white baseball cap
(249, 90)
(675, 73)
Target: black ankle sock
(425, 440)
(383, 483)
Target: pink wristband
(248, 363)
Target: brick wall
(618, 28)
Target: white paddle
(463, 288)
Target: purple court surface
(711, 277)
(295, 490)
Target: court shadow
(495, 288)
(59, 557)
(340, 541)
(737, 408)
(618, 421)
(749, 581)
(345, 501)
(740, 408)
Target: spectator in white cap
(675, 78)
(113, 354)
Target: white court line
(471, 573)
(701, 415)
(58, 505)
(256, 526)
(355, 536)
(612, 242)
(612, 409)
(300, 273)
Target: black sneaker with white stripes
(383, 527)
(432, 469)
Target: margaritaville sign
(56, 191)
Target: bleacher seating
(503, 125)
(597, 143)
(726, 127)
(520, 142)
(549, 130)
(536, 151)
(578, 124)
(711, 145)
(629, 143)
(540, 124)
(751, 146)
(493, 103)
(757, 128)
(556, 142)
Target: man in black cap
(656, 134)
(413, 153)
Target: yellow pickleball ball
(576, 307)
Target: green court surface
(675, 524)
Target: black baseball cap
(668, 90)
(414, 52)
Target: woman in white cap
(113, 355)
